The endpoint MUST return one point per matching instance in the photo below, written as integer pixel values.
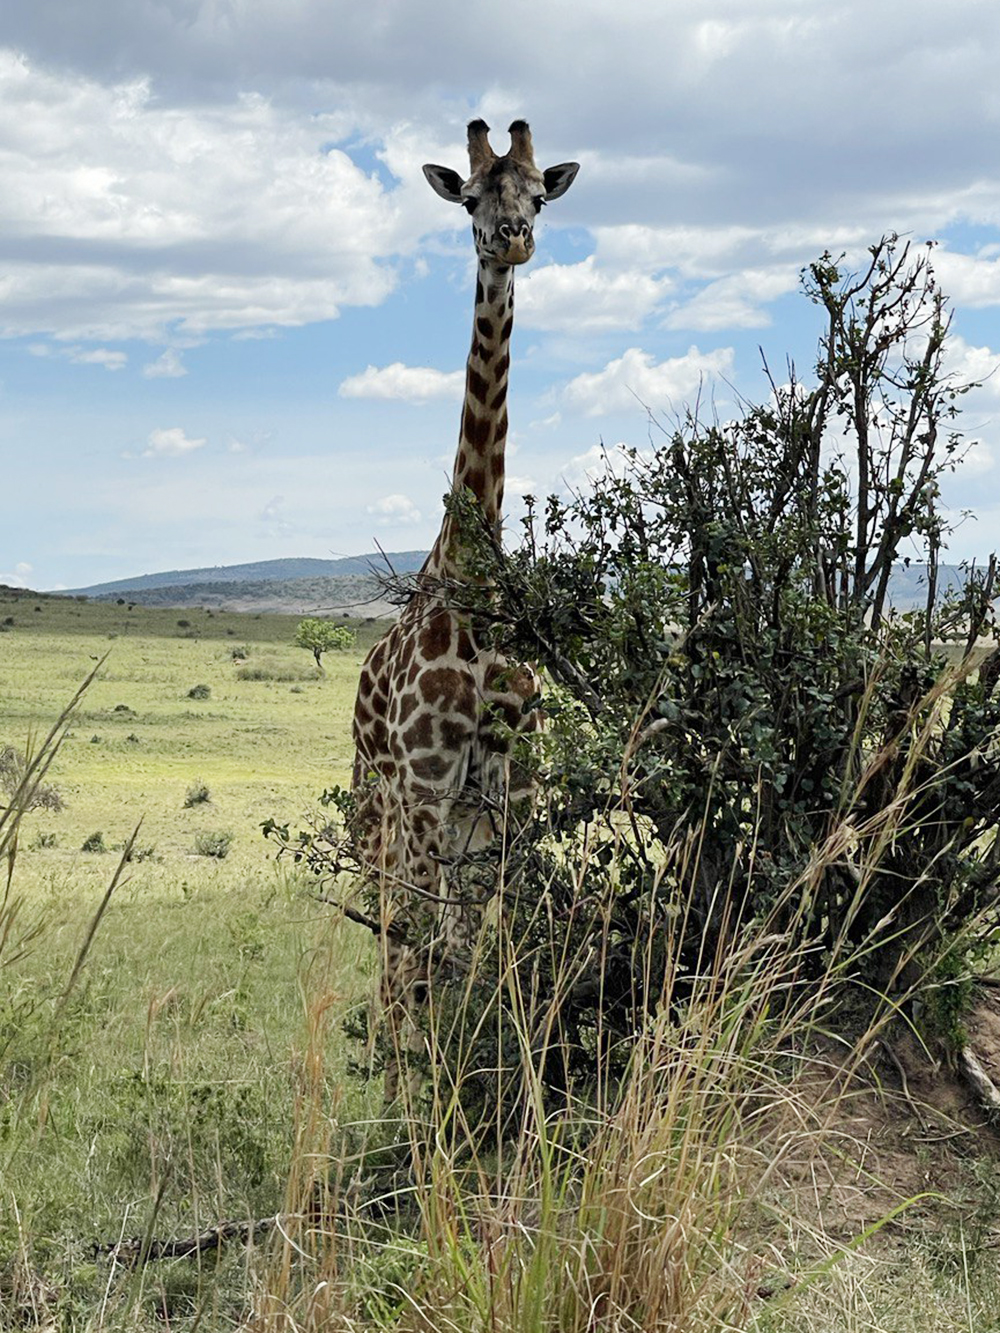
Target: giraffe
(431, 770)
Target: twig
(360, 919)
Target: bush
(742, 736)
(95, 843)
(740, 726)
(41, 841)
(200, 692)
(13, 772)
(197, 794)
(213, 844)
(139, 853)
(239, 652)
(275, 672)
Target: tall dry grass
(656, 1202)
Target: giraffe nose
(509, 230)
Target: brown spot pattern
(478, 385)
(444, 685)
(476, 430)
(455, 732)
(431, 767)
(435, 638)
(420, 736)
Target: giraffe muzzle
(519, 249)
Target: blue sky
(233, 316)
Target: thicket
(743, 731)
(744, 737)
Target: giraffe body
(436, 704)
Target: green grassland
(178, 1060)
(138, 741)
(161, 1092)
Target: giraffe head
(503, 194)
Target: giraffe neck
(479, 463)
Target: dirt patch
(900, 1135)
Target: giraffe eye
(470, 205)
(539, 202)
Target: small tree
(320, 636)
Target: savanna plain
(172, 1057)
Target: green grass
(160, 1094)
(183, 1063)
(137, 743)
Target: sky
(234, 317)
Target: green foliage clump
(197, 794)
(94, 843)
(215, 844)
(320, 636)
(200, 692)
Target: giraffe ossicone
(436, 706)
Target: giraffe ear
(445, 182)
(559, 179)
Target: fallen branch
(140, 1249)
(981, 1083)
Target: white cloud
(274, 518)
(82, 356)
(98, 356)
(171, 443)
(599, 461)
(166, 366)
(272, 509)
(969, 280)
(411, 384)
(735, 302)
(635, 380)
(546, 423)
(514, 485)
(19, 578)
(586, 297)
(122, 214)
(967, 364)
(978, 458)
(395, 510)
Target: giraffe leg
(416, 895)
(402, 992)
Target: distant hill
(261, 571)
(351, 586)
(908, 584)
